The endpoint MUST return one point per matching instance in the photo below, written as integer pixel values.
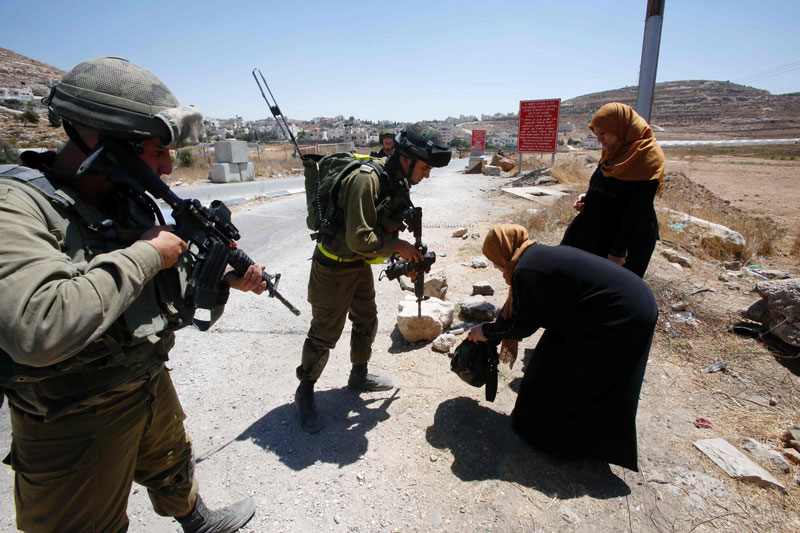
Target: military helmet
(126, 101)
(386, 134)
(423, 143)
(476, 364)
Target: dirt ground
(433, 455)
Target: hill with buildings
(690, 109)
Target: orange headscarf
(636, 156)
(503, 246)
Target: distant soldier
(92, 293)
(387, 144)
(370, 203)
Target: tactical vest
(326, 217)
(139, 340)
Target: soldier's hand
(252, 280)
(407, 251)
(169, 245)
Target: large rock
(477, 308)
(436, 285)
(503, 162)
(483, 288)
(674, 257)
(444, 342)
(736, 464)
(779, 309)
(712, 236)
(436, 316)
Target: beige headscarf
(503, 246)
(636, 156)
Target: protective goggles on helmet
(415, 147)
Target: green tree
(13, 103)
(29, 115)
(8, 156)
(185, 158)
(53, 118)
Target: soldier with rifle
(92, 293)
(372, 206)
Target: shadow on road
(348, 417)
(485, 447)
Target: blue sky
(408, 60)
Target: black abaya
(580, 392)
(618, 218)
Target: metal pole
(649, 64)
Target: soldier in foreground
(364, 231)
(92, 293)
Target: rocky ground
(433, 455)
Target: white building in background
(591, 143)
(317, 134)
(23, 94)
(502, 139)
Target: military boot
(361, 381)
(227, 520)
(306, 410)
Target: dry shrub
(571, 172)
(795, 251)
(549, 218)
(683, 195)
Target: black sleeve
(519, 325)
(639, 203)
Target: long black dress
(617, 218)
(580, 392)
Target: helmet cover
(124, 100)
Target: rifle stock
(209, 229)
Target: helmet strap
(75, 137)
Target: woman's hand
(578, 205)
(476, 335)
(618, 260)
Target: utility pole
(650, 46)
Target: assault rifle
(209, 229)
(399, 267)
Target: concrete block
(475, 165)
(231, 151)
(225, 172)
(247, 171)
(491, 170)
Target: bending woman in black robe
(616, 219)
(580, 391)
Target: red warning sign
(478, 140)
(538, 125)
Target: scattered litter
(702, 423)
(698, 291)
(717, 367)
(753, 267)
(678, 227)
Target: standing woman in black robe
(616, 219)
(580, 391)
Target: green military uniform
(81, 294)
(341, 280)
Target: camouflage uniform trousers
(75, 473)
(334, 290)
